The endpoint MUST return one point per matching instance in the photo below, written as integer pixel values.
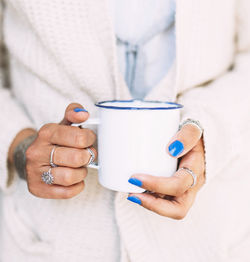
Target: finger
(54, 191)
(180, 182)
(66, 176)
(74, 113)
(73, 137)
(176, 209)
(70, 157)
(184, 140)
(173, 186)
(69, 136)
(194, 161)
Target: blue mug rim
(173, 105)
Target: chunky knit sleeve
(12, 117)
(223, 106)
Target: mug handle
(90, 121)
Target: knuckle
(91, 136)
(45, 131)
(32, 153)
(77, 159)
(29, 153)
(80, 140)
(84, 172)
(85, 157)
(82, 186)
(72, 192)
(85, 138)
(67, 178)
(69, 193)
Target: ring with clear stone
(194, 176)
(47, 177)
(92, 156)
(51, 157)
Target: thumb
(184, 140)
(74, 113)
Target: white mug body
(134, 141)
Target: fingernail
(176, 148)
(78, 109)
(135, 181)
(134, 199)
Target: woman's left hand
(173, 196)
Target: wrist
(22, 135)
(20, 155)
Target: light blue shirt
(145, 32)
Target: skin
(71, 156)
(172, 196)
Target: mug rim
(174, 105)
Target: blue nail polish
(134, 199)
(135, 181)
(80, 110)
(176, 148)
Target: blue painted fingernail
(176, 148)
(78, 109)
(135, 181)
(134, 199)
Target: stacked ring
(47, 177)
(194, 176)
(51, 157)
(190, 121)
(92, 156)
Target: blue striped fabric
(145, 32)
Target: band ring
(194, 176)
(190, 121)
(47, 177)
(92, 156)
(51, 157)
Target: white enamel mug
(132, 138)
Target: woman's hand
(70, 156)
(173, 196)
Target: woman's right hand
(70, 156)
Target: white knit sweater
(64, 51)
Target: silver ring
(47, 177)
(51, 157)
(194, 176)
(92, 156)
(190, 121)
